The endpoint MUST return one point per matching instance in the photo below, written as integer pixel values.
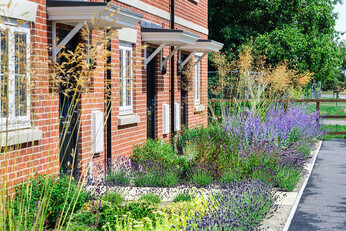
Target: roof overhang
(95, 14)
(168, 36)
(19, 9)
(203, 46)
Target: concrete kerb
(299, 195)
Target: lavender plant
(241, 206)
(280, 126)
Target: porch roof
(169, 37)
(202, 45)
(95, 14)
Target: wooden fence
(316, 101)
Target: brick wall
(42, 156)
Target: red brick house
(174, 32)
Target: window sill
(9, 138)
(128, 119)
(198, 108)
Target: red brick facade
(42, 156)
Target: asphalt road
(323, 204)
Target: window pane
(198, 82)
(121, 76)
(128, 92)
(128, 78)
(20, 74)
(4, 73)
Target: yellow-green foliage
(172, 216)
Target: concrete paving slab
(290, 198)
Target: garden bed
(224, 176)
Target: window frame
(197, 82)
(11, 121)
(124, 75)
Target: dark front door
(183, 100)
(68, 113)
(151, 94)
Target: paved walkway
(323, 204)
(331, 96)
(334, 122)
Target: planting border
(317, 101)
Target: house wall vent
(176, 117)
(97, 130)
(165, 120)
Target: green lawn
(335, 128)
(330, 108)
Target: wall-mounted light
(179, 71)
(164, 67)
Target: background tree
(301, 32)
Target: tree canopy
(299, 31)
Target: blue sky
(341, 22)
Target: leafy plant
(182, 197)
(119, 177)
(241, 206)
(288, 177)
(151, 198)
(65, 197)
(201, 179)
(116, 198)
(154, 151)
(147, 180)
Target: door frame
(72, 141)
(183, 95)
(152, 92)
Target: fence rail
(317, 101)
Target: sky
(341, 22)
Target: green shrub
(95, 214)
(60, 193)
(182, 197)
(156, 179)
(115, 198)
(154, 151)
(170, 179)
(147, 180)
(119, 177)
(151, 198)
(228, 178)
(288, 177)
(201, 179)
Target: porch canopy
(201, 46)
(98, 15)
(167, 37)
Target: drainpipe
(172, 72)
(109, 107)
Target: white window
(15, 78)
(126, 92)
(197, 82)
